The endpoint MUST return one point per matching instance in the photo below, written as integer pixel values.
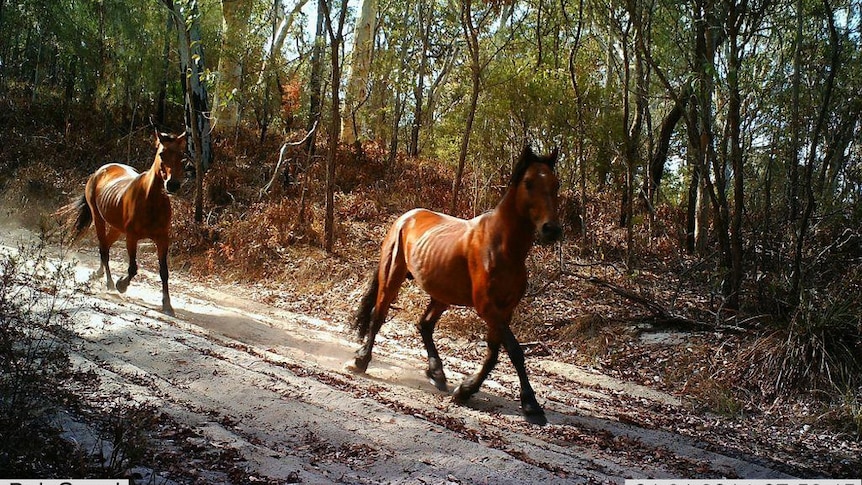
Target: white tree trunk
(235, 14)
(192, 65)
(284, 27)
(360, 68)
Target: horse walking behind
(118, 200)
(476, 263)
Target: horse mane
(528, 158)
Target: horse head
(170, 157)
(537, 187)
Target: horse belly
(439, 266)
(448, 286)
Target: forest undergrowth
(660, 322)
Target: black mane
(528, 158)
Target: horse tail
(75, 218)
(362, 319)
(389, 256)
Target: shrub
(33, 359)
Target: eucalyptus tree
(335, 16)
(815, 155)
(252, 68)
(360, 70)
(481, 48)
(435, 54)
(315, 81)
(232, 61)
(186, 17)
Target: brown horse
(476, 263)
(118, 200)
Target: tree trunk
(659, 159)
(693, 190)
(465, 140)
(336, 39)
(813, 149)
(235, 14)
(706, 45)
(196, 102)
(192, 66)
(580, 126)
(419, 85)
(734, 122)
(279, 36)
(471, 35)
(632, 118)
(360, 70)
(399, 99)
(316, 81)
(795, 123)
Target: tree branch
(265, 190)
(658, 311)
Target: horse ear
(527, 152)
(553, 157)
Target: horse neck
(516, 229)
(152, 179)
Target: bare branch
(265, 190)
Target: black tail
(76, 218)
(362, 319)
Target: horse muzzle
(550, 232)
(173, 185)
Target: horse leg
(529, 405)
(132, 249)
(107, 237)
(426, 329)
(385, 296)
(471, 384)
(162, 245)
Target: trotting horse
(475, 263)
(118, 200)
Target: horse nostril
(551, 231)
(172, 186)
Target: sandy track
(271, 386)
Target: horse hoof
(169, 311)
(536, 418)
(122, 286)
(461, 396)
(438, 380)
(441, 385)
(534, 413)
(356, 368)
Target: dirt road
(271, 388)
